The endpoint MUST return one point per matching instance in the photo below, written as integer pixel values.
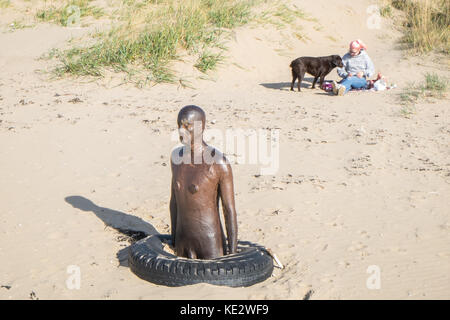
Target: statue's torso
(198, 226)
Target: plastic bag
(380, 85)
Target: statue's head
(191, 123)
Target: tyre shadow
(130, 227)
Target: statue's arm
(174, 159)
(229, 209)
(173, 214)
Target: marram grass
(149, 34)
(153, 35)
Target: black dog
(316, 66)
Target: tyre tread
(149, 261)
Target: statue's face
(191, 123)
(190, 131)
(185, 131)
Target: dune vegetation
(146, 35)
(426, 23)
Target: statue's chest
(195, 178)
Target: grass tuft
(281, 15)
(208, 61)
(65, 13)
(5, 3)
(386, 11)
(434, 86)
(225, 14)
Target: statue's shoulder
(221, 161)
(218, 156)
(176, 155)
(177, 151)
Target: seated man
(357, 68)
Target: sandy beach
(357, 186)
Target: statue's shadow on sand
(131, 227)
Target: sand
(359, 187)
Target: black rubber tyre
(148, 260)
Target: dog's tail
(292, 64)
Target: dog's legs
(314, 82)
(300, 79)
(294, 77)
(322, 79)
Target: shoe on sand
(334, 85)
(338, 89)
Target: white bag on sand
(380, 85)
